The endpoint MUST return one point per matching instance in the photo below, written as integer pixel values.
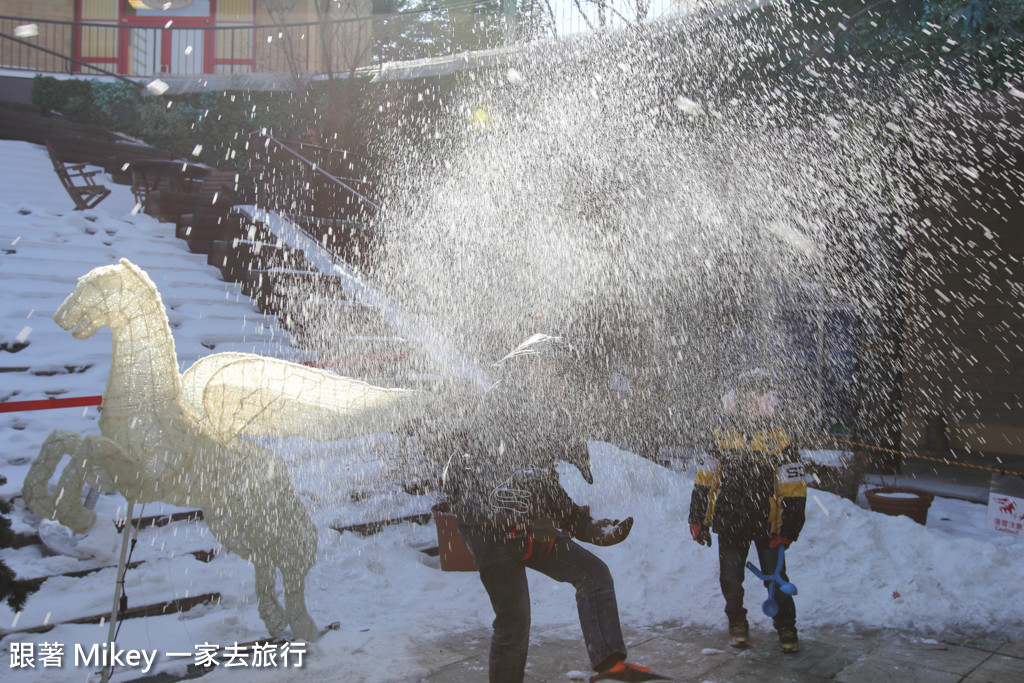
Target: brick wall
(59, 10)
(346, 44)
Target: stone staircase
(321, 317)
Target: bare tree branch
(551, 18)
(584, 15)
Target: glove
(605, 532)
(600, 532)
(701, 534)
(779, 540)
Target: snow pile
(851, 566)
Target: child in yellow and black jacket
(750, 488)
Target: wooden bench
(79, 183)
(272, 289)
(352, 240)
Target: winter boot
(624, 671)
(788, 641)
(739, 633)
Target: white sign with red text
(1005, 514)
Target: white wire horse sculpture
(185, 439)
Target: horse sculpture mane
(182, 439)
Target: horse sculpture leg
(68, 508)
(95, 453)
(270, 610)
(89, 455)
(35, 490)
(302, 624)
(230, 535)
(292, 550)
(283, 537)
(288, 545)
(295, 554)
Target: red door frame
(210, 60)
(165, 35)
(128, 22)
(78, 37)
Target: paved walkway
(688, 653)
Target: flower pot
(452, 550)
(900, 500)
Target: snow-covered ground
(851, 566)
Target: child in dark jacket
(750, 488)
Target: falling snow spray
(682, 211)
(620, 191)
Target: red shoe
(624, 671)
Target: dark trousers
(732, 558)
(504, 577)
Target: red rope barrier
(48, 403)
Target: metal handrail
(74, 60)
(363, 45)
(280, 25)
(316, 168)
(58, 39)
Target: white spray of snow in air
(157, 87)
(685, 104)
(26, 31)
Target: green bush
(70, 97)
(216, 121)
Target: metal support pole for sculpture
(118, 585)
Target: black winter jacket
(501, 470)
(750, 485)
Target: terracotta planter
(900, 500)
(452, 550)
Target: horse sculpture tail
(35, 491)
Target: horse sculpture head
(107, 296)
